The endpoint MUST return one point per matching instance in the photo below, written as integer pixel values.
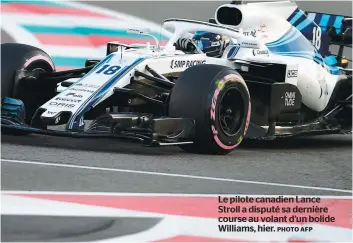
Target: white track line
(172, 175)
(148, 194)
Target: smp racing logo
(185, 64)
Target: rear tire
(217, 98)
(15, 56)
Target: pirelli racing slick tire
(217, 98)
(16, 56)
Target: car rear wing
(338, 27)
(339, 31)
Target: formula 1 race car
(274, 78)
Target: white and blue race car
(256, 70)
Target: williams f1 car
(274, 78)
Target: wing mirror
(145, 32)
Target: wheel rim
(231, 111)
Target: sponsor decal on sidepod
(292, 73)
(256, 52)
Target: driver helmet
(210, 43)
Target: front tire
(217, 98)
(16, 56)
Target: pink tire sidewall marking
(39, 57)
(223, 81)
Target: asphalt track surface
(60, 164)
